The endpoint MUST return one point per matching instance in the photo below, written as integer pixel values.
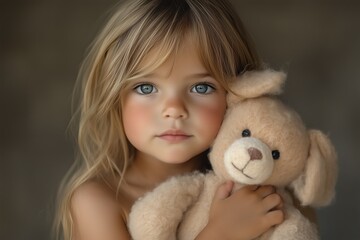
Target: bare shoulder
(97, 213)
(94, 196)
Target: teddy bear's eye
(246, 133)
(275, 154)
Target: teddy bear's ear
(316, 186)
(254, 84)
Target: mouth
(241, 170)
(174, 135)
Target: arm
(97, 215)
(243, 215)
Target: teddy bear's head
(263, 141)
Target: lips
(174, 135)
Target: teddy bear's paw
(151, 230)
(295, 228)
(157, 215)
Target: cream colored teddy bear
(261, 141)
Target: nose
(175, 107)
(254, 154)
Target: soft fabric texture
(257, 128)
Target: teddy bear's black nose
(255, 154)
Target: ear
(316, 186)
(254, 84)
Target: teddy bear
(261, 141)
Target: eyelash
(137, 88)
(209, 88)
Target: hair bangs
(159, 35)
(225, 47)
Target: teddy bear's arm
(295, 226)
(157, 215)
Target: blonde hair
(135, 28)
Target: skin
(171, 117)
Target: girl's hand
(244, 214)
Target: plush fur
(179, 208)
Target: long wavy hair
(134, 29)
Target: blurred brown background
(42, 44)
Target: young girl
(153, 98)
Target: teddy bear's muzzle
(249, 160)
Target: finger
(254, 187)
(263, 223)
(224, 190)
(271, 219)
(271, 202)
(264, 191)
(280, 206)
(274, 217)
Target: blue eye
(203, 88)
(145, 89)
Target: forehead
(181, 59)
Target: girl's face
(174, 113)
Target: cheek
(135, 118)
(210, 117)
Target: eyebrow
(198, 75)
(190, 76)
